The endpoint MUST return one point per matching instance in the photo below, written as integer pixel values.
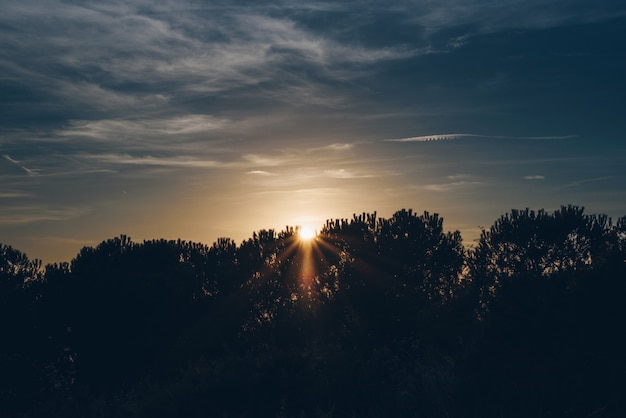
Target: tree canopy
(373, 316)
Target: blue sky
(198, 120)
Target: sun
(306, 233)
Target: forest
(372, 317)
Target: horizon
(182, 120)
(308, 233)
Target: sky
(205, 119)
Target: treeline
(373, 317)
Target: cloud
(335, 147)
(427, 138)
(107, 99)
(458, 41)
(261, 173)
(585, 181)
(486, 16)
(178, 161)
(446, 137)
(339, 174)
(128, 55)
(279, 35)
(444, 187)
(345, 174)
(192, 134)
(120, 129)
(264, 160)
(536, 177)
(20, 165)
(458, 177)
(12, 195)
(133, 61)
(18, 215)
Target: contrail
(17, 163)
(445, 137)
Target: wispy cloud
(12, 195)
(589, 180)
(338, 147)
(106, 99)
(264, 160)
(261, 173)
(121, 129)
(487, 16)
(458, 41)
(179, 161)
(18, 215)
(339, 174)
(145, 55)
(536, 177)
(444, 187)
(459, 177)
(427, 138)
(446, 137)
(20, 165)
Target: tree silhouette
(372, 317)
(529, 245)
(546, 281)
(22, 373)
(134, 301)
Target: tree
(551, 312)
(127, 304)
(23, 373)
(426, 260)
(528, 244)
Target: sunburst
(306, 233)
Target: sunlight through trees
(370, 316)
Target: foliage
(372, 317)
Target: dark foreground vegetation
(374, 317)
